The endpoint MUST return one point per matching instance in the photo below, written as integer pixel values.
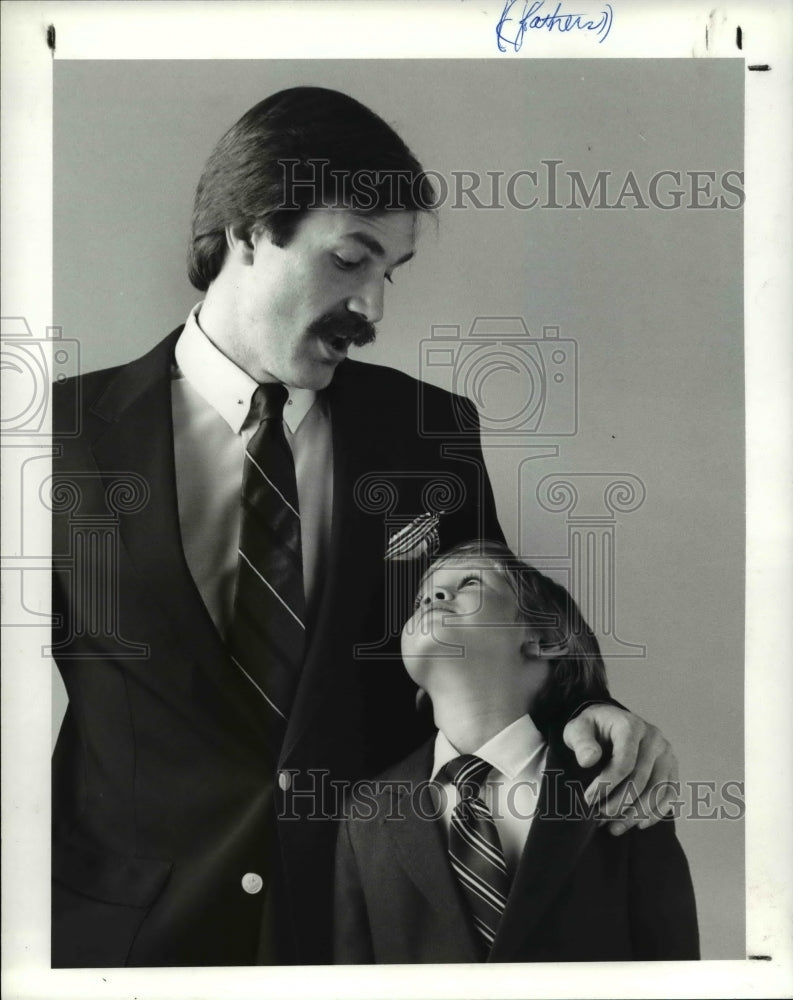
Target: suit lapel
(139, 440)
(559, 834)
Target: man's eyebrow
(375, 247)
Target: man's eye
(469, 579)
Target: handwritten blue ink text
(511, 29)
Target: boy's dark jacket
(580, 894)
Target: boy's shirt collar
(510, 752)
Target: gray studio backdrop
(614, 440)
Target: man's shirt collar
(225, 386)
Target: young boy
(497, 858)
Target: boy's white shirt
(511, 790)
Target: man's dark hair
(300, 148)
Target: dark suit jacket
(164, 791)
(579, 894)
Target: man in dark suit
(498, 858)
(190, 824)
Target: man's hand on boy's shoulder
(640, 781)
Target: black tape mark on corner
(760, 67)
(759, 958)
(51, 38)
(739, 37)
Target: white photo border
(394, 29)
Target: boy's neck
(468, 724)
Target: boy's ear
(535, 649)
(553, 650)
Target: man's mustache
(353, 328)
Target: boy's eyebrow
(376, 247)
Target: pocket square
(419, 538)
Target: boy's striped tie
(474, 848)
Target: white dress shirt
(511, 790)
(211, 399)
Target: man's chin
(317, 379)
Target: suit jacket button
(252, 883)
(284, 780)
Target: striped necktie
(267, 634)
(474, 848)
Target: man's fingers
(622, 764)
(661, 794)
(587, 753)
(648, 808)
(634, 788)
(663, 787)
(637, 765)
(580, 737)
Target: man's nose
(368, 302)
(438, 594)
